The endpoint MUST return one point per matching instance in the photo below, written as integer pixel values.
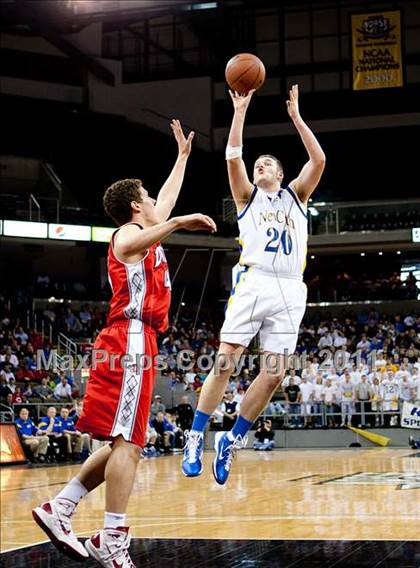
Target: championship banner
(376, 50)
(410, 417)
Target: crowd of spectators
(352, 364)
(353, 286)
(53, 437)
(352, 368)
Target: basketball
(244, 72)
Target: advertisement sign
(376, 50)
(25, 229)
(11, 450)
(69, 232)
(102, 234)
(416, 235)
(410, 417)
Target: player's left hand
(184, 144)
(293, 103)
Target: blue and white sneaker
(193, 451)
(225, 452)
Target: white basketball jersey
(273, 233)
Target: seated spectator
(85, 318)
(29, 393)
(52, 426)
(18, 397)
(8, 403)
(413, 443)
(23, 374)
(264, 436)
(73, 325)
(32, 437)
(7, 373)
(62, 391)
(76, 411)
(185, 414)
(4, 388)
(21, 335)
(150, 450)
(176, 435)
(157, 406)
(197, 384)
(76, 441)
(8, 358)
(164, 432)
(44, 392)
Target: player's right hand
(241, 102)
(197, 222)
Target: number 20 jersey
(273, 233)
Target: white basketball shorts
(267, 304)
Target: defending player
(269, 295)
(117, 402)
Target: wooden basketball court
(352, 494)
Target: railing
(333, 415)
(40, 325)
(6, 415)
(66, 346)
(356, 216)
(56, 182)
(32, 199)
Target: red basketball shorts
(118, 394)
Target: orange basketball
(244, 72)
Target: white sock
(73, 491)
(114, 520)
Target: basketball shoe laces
(65, 509)
(117, 548)
(192, 441)
(238, 443)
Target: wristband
(233, 152)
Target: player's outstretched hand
(184, 144)
(293, 103)
(241, 102)
(197, 222)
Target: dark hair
(279, 164)
(118, 198)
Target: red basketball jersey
(140, 291)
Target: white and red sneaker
(110, 548)
(54, 519)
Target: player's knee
(230, 349)
(227, 358)
(272, 379)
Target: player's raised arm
(239, 182)
(311, 172)
(169, 192)
(131, 241)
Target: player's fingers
(191, 135)
(210, 222)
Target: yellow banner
(376, 49)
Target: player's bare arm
(240, 185)
(131, 242)
(169, 192)
(306, 182)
